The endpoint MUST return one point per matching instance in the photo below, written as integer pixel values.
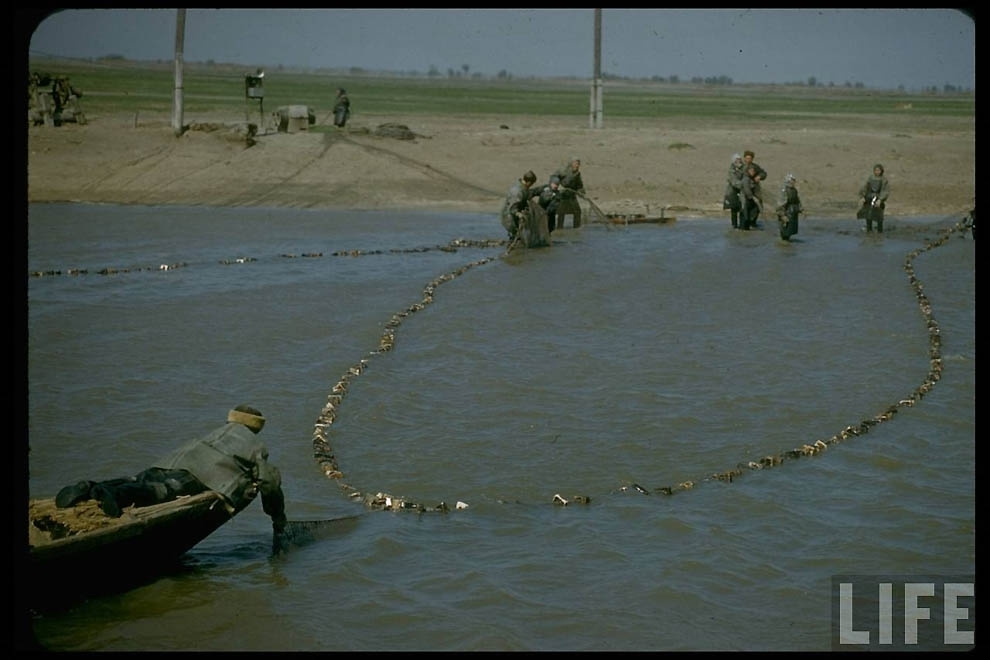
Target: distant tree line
(464, 72)
(812, 81)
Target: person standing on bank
(341, 108)
(230, 460)
(571, 185)
(515, 212)
(733, 188)
(789, 207)
(873, 195)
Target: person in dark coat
(341, 108)
(230, 460)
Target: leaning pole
(180, 32)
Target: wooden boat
(82, 551)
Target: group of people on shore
(555, 199)
(744, 197)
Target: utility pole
(180, 38)
(596, 82)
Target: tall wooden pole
(596, 118)
(180, 38)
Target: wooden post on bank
(596, 118)
(180, 37)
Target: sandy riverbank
(467, 163)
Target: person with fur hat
(873, 194)
(230, 460)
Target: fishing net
(298, 533)
(534, 232)
(579, 210)
(574, 212)
(592, 213)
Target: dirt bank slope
(467, 163)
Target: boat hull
(81, 551)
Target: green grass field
(120, 86)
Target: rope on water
(452, 246)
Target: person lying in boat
(230, 460)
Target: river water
(620, 362)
